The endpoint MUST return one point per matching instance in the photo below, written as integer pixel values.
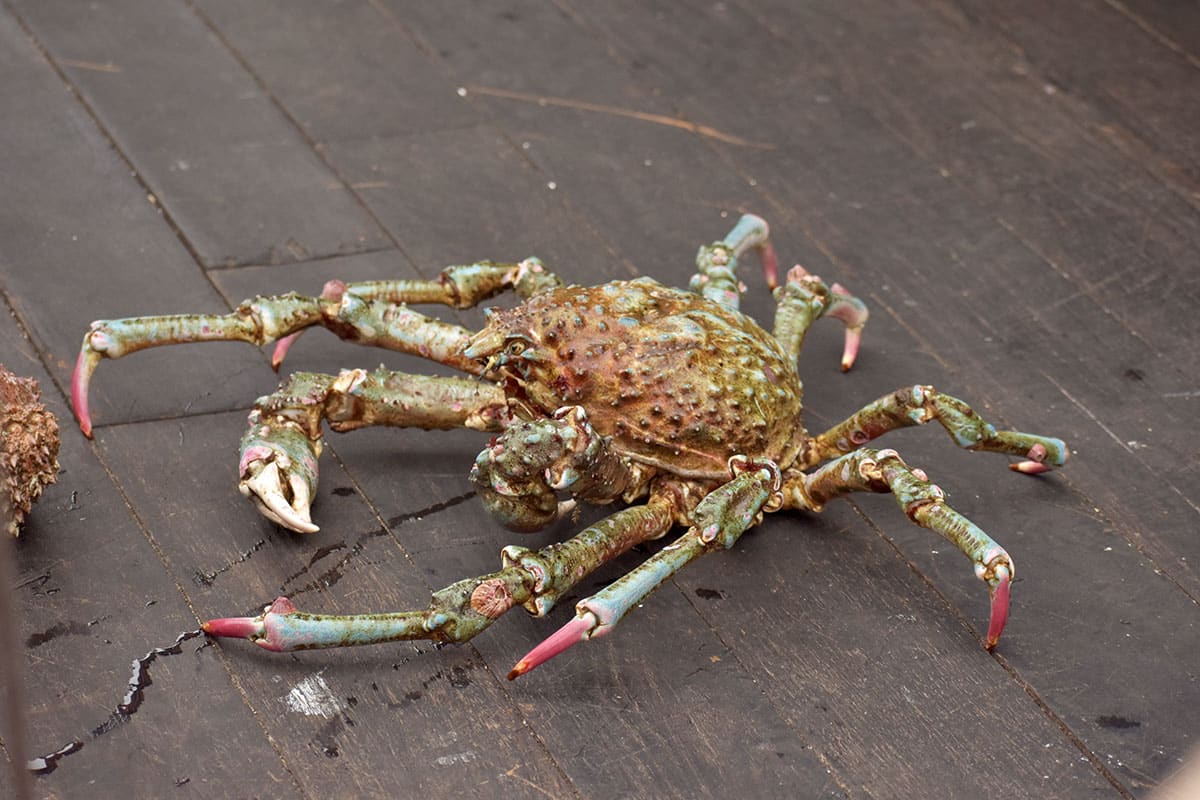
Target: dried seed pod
(28, 446)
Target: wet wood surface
(1012, 188)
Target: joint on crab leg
(752, 231)
(718, 521)
(716, 263)
(805, 298)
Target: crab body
(670, 400)
(674, 380)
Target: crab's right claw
(278, 471)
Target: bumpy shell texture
(28, 446)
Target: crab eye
(515, 347)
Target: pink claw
(234, 627)
(850, 352)
(255, 629)
(85, 365)
(999, 607)
(281, 348)
(569, 635)
(770, 264)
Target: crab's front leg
(278, 464)
(370, 313)
(533, 579)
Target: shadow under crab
(670, 401)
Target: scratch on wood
(95, 66)
(600, 108)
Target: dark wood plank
(1140, 86)
(365, 76)
(1176, 23)
(232, 171)
(79, 241)
(93, 597)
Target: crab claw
(278, 471)
(263, 630)
(577, 630)
(266, 489)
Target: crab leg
(718, 521)
(916, 405)
(805, 298)
(534, 579)
(278, 464)
(370, 313)
(867, 470)
(716, 263)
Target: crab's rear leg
(717, 522)
(370, 313)
(534, 579)
(278, 464)
(916, 405)
(716, 263)
(868, 470)
(805, 298)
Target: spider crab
(629, 391)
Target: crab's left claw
(278, 471)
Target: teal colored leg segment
(718, 522)
(916, 405)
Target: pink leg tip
(770, 264)
(84, 365)
(1000, 595)
(850, 352)
(1030, 467)
(562, 639)
(281, 348)
(234, 627)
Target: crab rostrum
(670, 401)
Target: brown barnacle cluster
(28, 446)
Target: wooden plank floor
(1013, 188)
